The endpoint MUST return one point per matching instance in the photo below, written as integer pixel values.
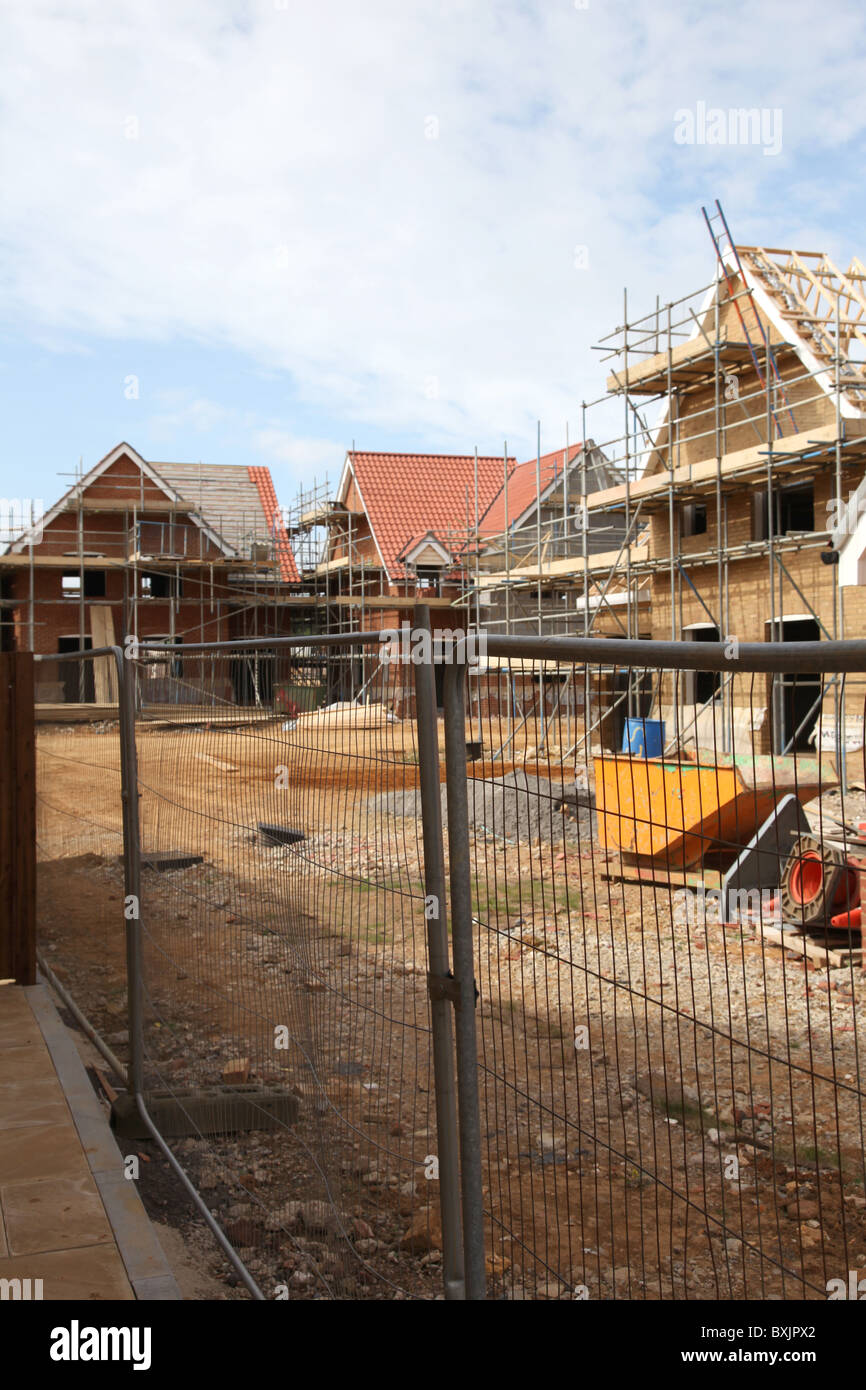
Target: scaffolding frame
(162, 540)
(799, 355)
(734, 375)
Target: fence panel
(284, 966)
(79, 835)
(671, 1101)
(17, 819)
(670, 1092)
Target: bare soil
(669, 1109)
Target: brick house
(531, 543)
(174, 552)
(398, 535)
(761, 424)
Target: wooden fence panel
(17, 819)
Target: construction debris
(346, 714)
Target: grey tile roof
(224, 495)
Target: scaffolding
(749, 390)
(347, 581)
(528, 574)
(768, 431)
(202, 569)
(752, 387)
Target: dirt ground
(670, 1108)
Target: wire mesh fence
(282, 962)
(670, 1052)
(655, 886)
(80, 833)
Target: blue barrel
(645, 738)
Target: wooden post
(17, 819)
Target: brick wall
(743, 421)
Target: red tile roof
(407, 495)
(522, 489)
(282, 547)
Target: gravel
(515, 807)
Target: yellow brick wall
(739, 515)
(749, 597)
(744, 421)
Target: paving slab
(68, 1216)
(53, 1214)
(91, 1272)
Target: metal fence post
(464, 972)
(131, 868)
(439, 979)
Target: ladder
(723, 242)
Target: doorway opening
(699, 687)
(252, 678)
(76, 677)
(795, 698)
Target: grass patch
(526, 898)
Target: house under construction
(165, 553)
(733, 494)
(727, 504)
(392, 534)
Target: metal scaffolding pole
(538, 521)
(776, 629)
(721, 555)
(584, 519)
(627, 480)
(507, 538)
(838, 615)
(672, 526)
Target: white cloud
(297, 456)
(199, 414)
(303, 456)
(263, 178)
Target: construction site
(727, 506)
(655, 842)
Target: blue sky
(254, 232)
